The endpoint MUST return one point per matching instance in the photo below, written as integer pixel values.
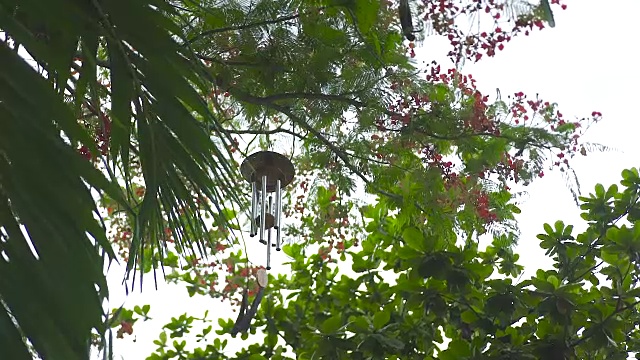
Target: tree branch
(315, 96)
(245, 26)
(339, 152)
(595, 242)
(601, 324)
(239, 63)
(265, 132)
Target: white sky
(586, 63)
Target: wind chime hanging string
(268, 173)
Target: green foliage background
(148, 105)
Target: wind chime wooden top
(275, 166)
(268, 173)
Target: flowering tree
(152, 103)
(441, 158)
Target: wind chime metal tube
(254, 209)
(278, 213)
(271, 215)
(263, 208)
(269, 236)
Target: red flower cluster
(101, 132)
(497, 21)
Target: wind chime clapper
(268, 173)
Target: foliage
(409, 289)
(441, 157)
(90, 76)
(390, 120)
(150, 104)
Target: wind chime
(268, 173)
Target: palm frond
(52, 296)
(54, 292)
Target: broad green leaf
(468, 316)
(332, 324)
(381, 318)
(553, 281)
(414, 238)
(361, 323)
(388, 341)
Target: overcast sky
(586, 63)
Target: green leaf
(414, 238)
(366, 13)
(331, 325)
(547, 14)
(12, 337)
(612, 258)
(459, 348)
(381, 318)
(468, 316)
(388, 341)
(553, 281)
(548, 229)
(360, 323)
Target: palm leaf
(54, 292)
(52, 296)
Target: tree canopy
(122, 124)
(406, 293)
